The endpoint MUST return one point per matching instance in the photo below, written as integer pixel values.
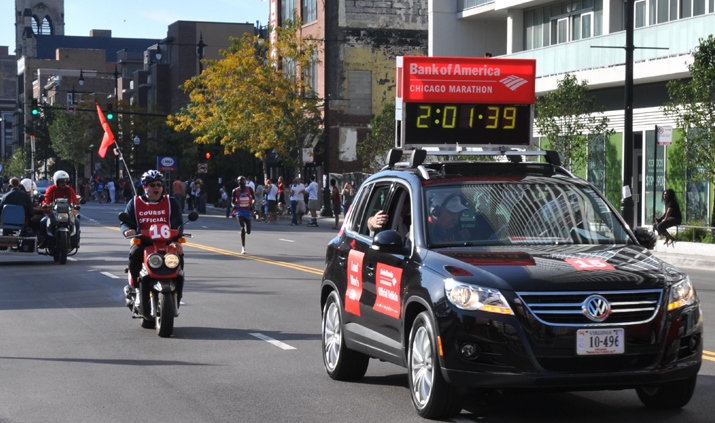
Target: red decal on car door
(388, 281)
(354, 288)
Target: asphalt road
(246, 347)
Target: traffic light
(35, 110)
(208, 155)
(110, 114)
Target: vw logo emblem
(596, 308)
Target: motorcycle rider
(60, 189)
(162, 208)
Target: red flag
(108, 138)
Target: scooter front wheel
(165, 315)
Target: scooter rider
(162, 208)
(60, 189)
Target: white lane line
(286, 240)
(272, 341)
(110, 275)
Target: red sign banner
(388, 281)
(354, 288)
(484, 80)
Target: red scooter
(160, 278)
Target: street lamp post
(91, 161)
(200, 52)
(137, 141)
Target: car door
(383, 277)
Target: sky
(139, 18)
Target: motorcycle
(159, 277)
(62, 235)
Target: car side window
(401, 211)
(375, 203)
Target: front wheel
(62, 247)
(668, 396)
(165, 315)
(340, 362)
(432, 396)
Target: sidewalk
(690, 254)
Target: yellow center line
(294, 266)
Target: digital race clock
(443, 123)
(466, 101)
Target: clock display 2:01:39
(506, 124)
(465, 116)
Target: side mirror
(389, 242)
(645, 237)
(193, 216)
(82, 201)
(123, 217)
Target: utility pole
(627, 203)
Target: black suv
(504, 274)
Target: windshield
(532, 211)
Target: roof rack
(418, 155)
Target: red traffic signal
(208, 155)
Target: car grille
(567, 308)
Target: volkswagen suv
(504, 274)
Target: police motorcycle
(62, 235)
(161, 272)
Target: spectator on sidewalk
(313, 202)
(335, 201)
(177, 190)
(297, 190)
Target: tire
(340, 362)
(432, 396)
(165, 315)
(147, 323)
(62, 247)
(668, 396)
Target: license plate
(599, 341)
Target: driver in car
(443, 223)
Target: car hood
(553, 267)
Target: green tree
(67, 133)
(693, 108)
(257, 98)
(18, 164)
(372, 152)
(568, 117)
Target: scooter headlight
(155, 261)
(171, 260)
(63, 217)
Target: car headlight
(474, 297)
(171, 260)
(154, 261)
(681, 294)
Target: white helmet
(29, 185)
(61, 174)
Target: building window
(640, 14)
(562, 22)
(44, 28)
(310, 11)
(360, 92)
(311, 76)
(287, 10)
